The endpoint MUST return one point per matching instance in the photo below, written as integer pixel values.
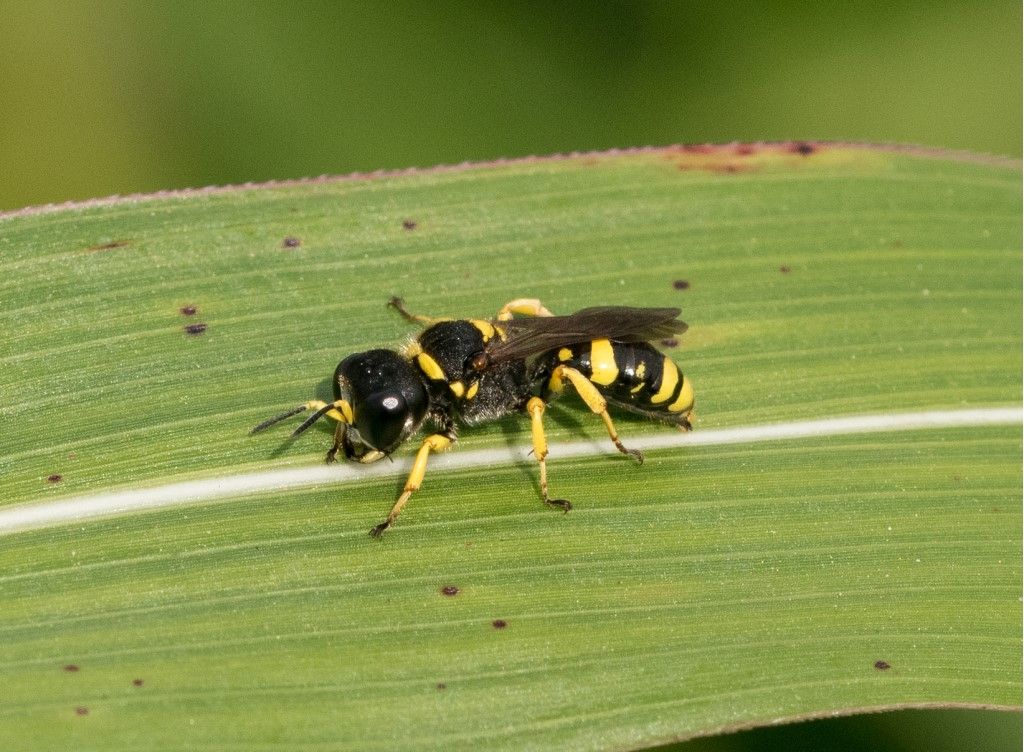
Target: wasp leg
(524, 307)
(535, 407)
(414, 318)
(339, 437)
(597, 404)
(435, 443)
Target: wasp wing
(530, 336)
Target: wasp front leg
(413, 318)
(437, 442)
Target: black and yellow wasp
(475, 370)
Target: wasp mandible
(469, 371)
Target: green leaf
(715, 587)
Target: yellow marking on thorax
(429, 367)
(637, 388)
(565, 354)
(641, 370)
(669, 378)
(603, 369)
(473, 389)
(485, 327)
(685, 401)
(458, 388)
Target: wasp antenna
(278, 418)
(313, 418)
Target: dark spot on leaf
(449, 590)
(785, 269)
(189, 310)
(109, 246)
(670, 342)
(802, 148)
(681, 284)
(81, 710)
(441, 685)
(291, 242)
(699, 148)
(745, 150)
(55, 478)
(499, 623)
(137, 682)
(409, 224)
(195, 328)
(882, 666)
(71, 668)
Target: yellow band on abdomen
(603, 369)
(669, 379)
(684, 403)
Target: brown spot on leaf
(802, 148)
(189, 310)
(55, 478)
(137, 682)
(195, 328)
(499, 623)
(681, 284)
(785, 269)
(670, 342)
(409, 224)
(449, 590)
(745, 150)
(441, 685)
(71, 668)
(882, 665)
(108, 246)
(81, 710)
(291, 242)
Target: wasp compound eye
(381, 419)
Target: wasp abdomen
(634, 375)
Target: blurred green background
(112, 97)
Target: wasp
(469, 371)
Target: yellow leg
(434, 443)
(399, 305)
(535, 407)
(524, 307)
(596, 402)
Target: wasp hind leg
(597, 404)
(437, 442)
(535, 407)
